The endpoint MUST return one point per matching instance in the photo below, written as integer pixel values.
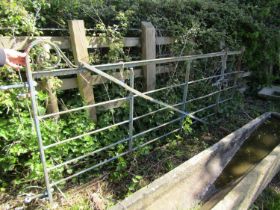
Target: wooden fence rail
(20, 42)
(79, 44)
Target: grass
(269, 199)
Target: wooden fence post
(148, 44)
(79, 45)
(48, 86)
(52, 105)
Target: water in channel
(261, 142)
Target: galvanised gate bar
(180, 108)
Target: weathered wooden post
(48, 86)
(52, 105)
(79, 45)
(148, 44)
(221, 79)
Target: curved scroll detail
(61, 56)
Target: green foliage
(134, 185)
(187, 125)
(198, 27)
(269, 199)
(15, 14)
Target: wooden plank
(95, 42)
(79, 44)
(63, 42)
(148, 38)
(21, 42)
(71, 83)
(245, 74)
(48, 86)
(132, 42)
(164, 40)
(112, 105)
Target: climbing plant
(198, 26)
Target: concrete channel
(193, 183)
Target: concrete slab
(185, 186)
(272, 92)
(248, 189)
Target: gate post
(48, 86)
(37, 128)
(148, 45)
(79, 45)
(221, 80)
(131, 109)
(185, 92)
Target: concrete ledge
(272, 92)
(186, 185)
(249, 188)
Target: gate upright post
(221, 80)
(238, 67)
(185, 93)
(131, 109)
(37, 127)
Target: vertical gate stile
(238, 69)
(185, 91)
(221, 80)
(37, 127)
(131, 110)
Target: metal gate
(220, 82)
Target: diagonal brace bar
(136, 92)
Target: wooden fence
(79, 43)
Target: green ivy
(198, 26)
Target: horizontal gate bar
(157, 127)
(167, 134)
(157, 138)
(215, 76)
(178, 104)
(123, 122)
(122, 154)
(83, 107)
(85, 134)
(210, 106)
(211, 94)
(88, 154)
(122, 84)
(126, 139)
(130, 64)
(89, 169)
(111, 145)
(20, 85)
(127, 98)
